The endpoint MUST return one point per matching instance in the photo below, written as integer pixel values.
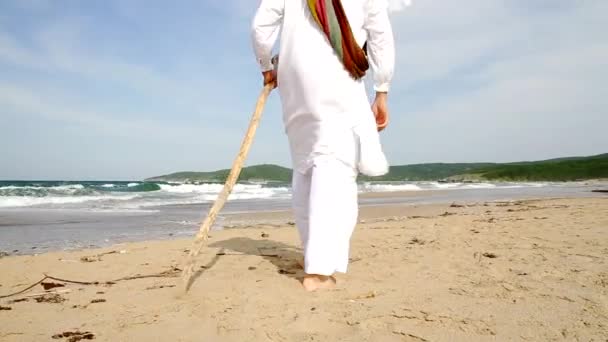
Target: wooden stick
(237, 165)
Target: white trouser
(325, 209)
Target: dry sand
(531, 270)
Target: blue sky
(127, 89)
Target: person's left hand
(380, 110)
(270, 77)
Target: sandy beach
(531, 270)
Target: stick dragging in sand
(203, 232)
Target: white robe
(325, 111)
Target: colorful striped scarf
(330, 16)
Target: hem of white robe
(371, 160)
(325, 271)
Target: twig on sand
(203, 233)
(173, 272)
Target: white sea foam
(193, 194)
(58, 187)
(252, 194)
(68, 187)
(445, 185)
(367, 187)
(535, 185)
(130, 185)
(479, 186)
(192, 188)
(211, 188)
(425, 186)
(107, 186)
(23, 201)
(10, 187)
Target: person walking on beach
(326, 48)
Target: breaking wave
(121, 195)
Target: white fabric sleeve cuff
(382, 88)
(265, 65)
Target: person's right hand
(380, 109)
(270, 77)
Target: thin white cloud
(13, 53)
(58, 48)
(54, 106)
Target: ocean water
(39, 216)
(144, 196)
(123, 196)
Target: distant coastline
(559, 170)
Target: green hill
(565, 169)
(560, 169)
(433, 171)
(252, 173)
(555, 160)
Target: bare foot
(314, 282)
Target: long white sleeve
(380, 44)
(265, 29)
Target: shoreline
(389, 203)
(275, 218)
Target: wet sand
(532, 270)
